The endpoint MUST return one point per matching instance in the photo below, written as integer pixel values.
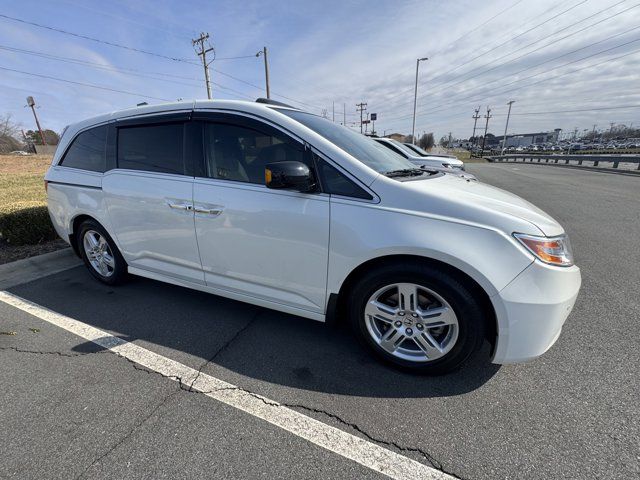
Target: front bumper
(531, 310)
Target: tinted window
(369, 152)
(334, 182)
(393, 148)
(87, 151)
(152, 148)
(234, 152)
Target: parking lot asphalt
(70, 408)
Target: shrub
(25, 223)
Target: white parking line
(354, 448)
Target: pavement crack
(128, 434)
(395, 445)
(61, 354)
(224, 347)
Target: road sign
(374, 117)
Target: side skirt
(228, 294)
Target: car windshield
(418, 150)
(355, 144)
(403, 147)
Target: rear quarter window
(87, 151)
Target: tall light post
(504, 139)
(415, 99)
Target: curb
(32, 268)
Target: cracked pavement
(71, 409)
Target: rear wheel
(100, 253)
(417, 317)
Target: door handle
(180, 206)
(209, 211)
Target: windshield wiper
(405, 172)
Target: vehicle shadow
(251, 341)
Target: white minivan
(280, 208)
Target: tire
(433, 337)
(100, 255)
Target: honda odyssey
(280, 208)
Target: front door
(268, 244)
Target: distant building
(396, 136)
(524, 139)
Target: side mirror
(289, 176)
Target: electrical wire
(83, 84)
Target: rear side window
(336, 183)
(88, 150)
(152, 148)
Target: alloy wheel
(411, 322)
(99, 253)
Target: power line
(553, 42)
(537, 74)
(495, 47)
(102, 66)
(84, 84)
(621, 107)
(97, 40)
(510, 40)
(450, 84)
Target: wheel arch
(75, 225)
(337, 302)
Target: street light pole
(415, 100)
(504, 139)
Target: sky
(568, 65)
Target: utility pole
(449, 144)
(203, 50)
(486, 126)
(475, 117)
(415, 100)
(504, 139)
(361, 108)
(333, 111)
(344, 114)
(31, 102)
(593, 133)
(263, 52)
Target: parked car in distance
(270, 205)
(445, 164)
(424, 153)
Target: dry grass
(21, 180)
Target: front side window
(239, 153)
(336, 183)
(152, 148)
(87, 151)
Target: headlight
(551, 250)
(446, 165)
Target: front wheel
(417, 317)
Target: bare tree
(9, 134)
(426, 141)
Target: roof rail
(268, 101)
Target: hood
(477, 202)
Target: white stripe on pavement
(354, 448)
